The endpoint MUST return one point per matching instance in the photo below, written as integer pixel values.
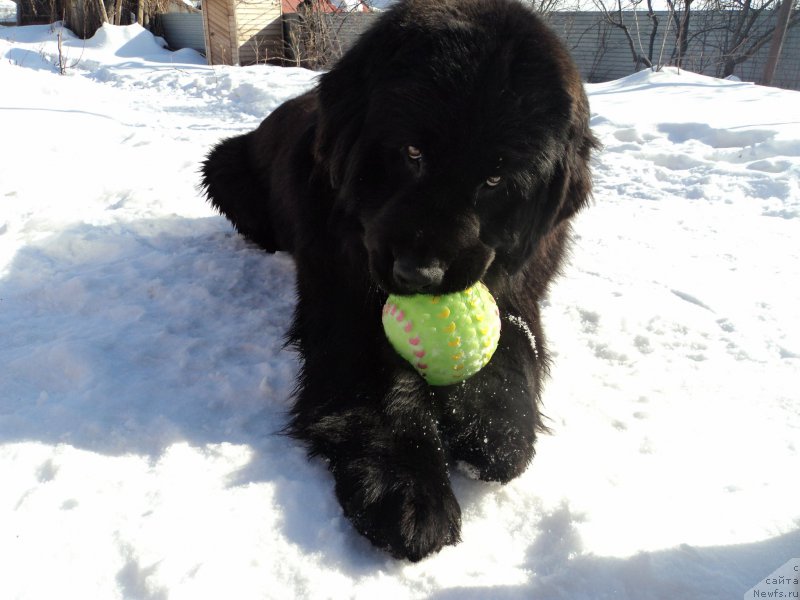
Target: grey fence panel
(600, 49)
(603, 53)
(183, 30)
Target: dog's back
(253, 179)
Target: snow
(143, 380)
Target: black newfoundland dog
(450, 145)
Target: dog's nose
(414, 278)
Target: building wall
(259, 31)
(220, 31)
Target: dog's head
(457, 134)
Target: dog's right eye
(413, 152)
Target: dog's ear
(342, 102)
(390, 49)
(567, 190)
(344, 94)
(571, 188)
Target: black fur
(482, 88)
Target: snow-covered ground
(142, 378)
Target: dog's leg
(391, 475)
(360, 408)
(387, 458)
(491, 420)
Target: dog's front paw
(499, 454)
(410, 515)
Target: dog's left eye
(494, 180)
(413, 152)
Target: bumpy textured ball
(446, 338)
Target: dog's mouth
(411, 251)
(412, 277)
(406, 276)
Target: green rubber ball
(446, 338)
